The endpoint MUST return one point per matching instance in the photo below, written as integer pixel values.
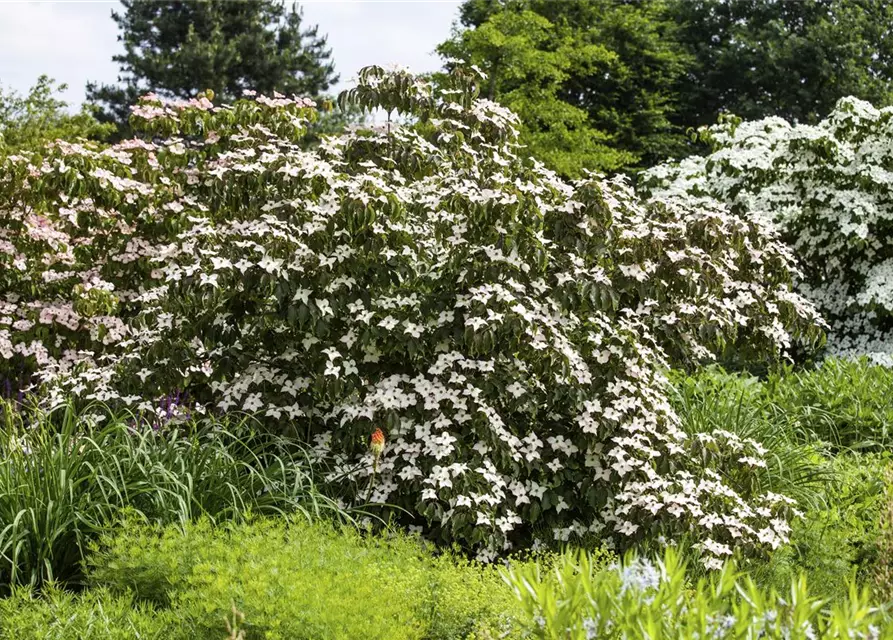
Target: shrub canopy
(506, 329)
(828, 188)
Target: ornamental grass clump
(505, 329)
(67, 477)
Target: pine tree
(177, 49)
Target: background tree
(592, 80)
(177, 49)
(32, 120)
(759, 58)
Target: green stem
(372, 479)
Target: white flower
(516, 389)
(208, 279)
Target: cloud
(74, 42)
(382, 33)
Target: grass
(846, 403)
(66, 478)
(795, 461)
(826, 432)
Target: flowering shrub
(505, 329)
(828, 188)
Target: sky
(74, 41)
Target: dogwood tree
(504, 329)
(829, 188)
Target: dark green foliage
(65, 479)
(178, 49)
(758, 58)
(29, 122)
(296, 580)
(606, 84)
(591, 80)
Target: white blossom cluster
(506, 329)
(829, 188)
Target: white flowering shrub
(829, 188)
(505, 329)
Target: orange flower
(376, 443)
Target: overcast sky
(74, 41)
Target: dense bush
(297, 580)
(65, 478)
(505, 328)
(583, 599)
(828, 187)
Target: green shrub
(292, 579)
(505, 329)
(94, 615)
(582, 599)
(826, 187)
(64, 479)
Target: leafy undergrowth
(66, 477)
(847, 403)
(186, 537)
(292, 579)
(583, 599)
(825, 431)
(842, 539)
(279, 578)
